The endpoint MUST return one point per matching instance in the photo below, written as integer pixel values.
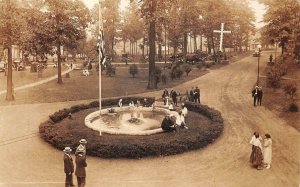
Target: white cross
(221, 35)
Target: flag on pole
(100, 43)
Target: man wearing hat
(82, 144)
(80, 160)
(68, 167)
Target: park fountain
(127, 120)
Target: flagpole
(100, 56)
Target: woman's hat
(67, 150)
(83, 141)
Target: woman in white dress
(267, 151)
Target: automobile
(256, 54)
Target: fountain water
(127, 120)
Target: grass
(203, 130)
(277, 101)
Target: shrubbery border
(126, 146)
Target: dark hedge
(205, 125)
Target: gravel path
(28, 161)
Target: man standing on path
(68, 167)
(82, 145)
(192, 99)
(174, 97)
(80, 160)
(165, 96)
(259, 95)
(255, 95)
(197, 95)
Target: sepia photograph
(150, 93)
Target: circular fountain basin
(127, 120)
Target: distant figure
(184, 110)
(138, 103)
(192, 95)
(174, 97)
(68, 167)
(256, 156)
(171, 107)
(197, 95)
(80, 160)
(85, 72)
(180, 121)
(271, 58)
(131, 104)
(146, 103)
(168, 125)
(82, 145)
(120, 103)
(165, 96)
(259, 96)
(267, 151)
(187, 96)
(71, 65)
(255, 95)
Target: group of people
(194, 94)
(80, 160)
(171, 122)
(261, 155)
(257, 94)
(173, 94)
(144, 103)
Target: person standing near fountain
(68, 167)
(80, 160)
(120, 103)
(184, 110)
(165, 97)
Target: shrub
(157, 75)
(164, 78)
(133, 70)
(176, 72)
(290, 89)
(187, 69)
(199, 65)
(293, 108)
(110, 70)
(273, 78)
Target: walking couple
(261, 156)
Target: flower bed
(205, 125)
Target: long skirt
(256, 156)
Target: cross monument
(221, 35)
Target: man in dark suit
(259, 95)
(174, 97)
(80, 160)
(192, 99)
(197, 95)
(255, 95)
(165, 96)
(68, 167)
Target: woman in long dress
(267, 150)
(256, 156)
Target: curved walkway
(32, 162)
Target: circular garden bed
(205, 125)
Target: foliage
(274, 77)
(293, 107)
(282, 22)
(110, 70)
(187, 68)
(157, 75)
(199, 65)
(176, 72)
(133, 70)
(290, 89)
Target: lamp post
(258, 59)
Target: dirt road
(28, 161)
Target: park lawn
(278, 102)
(79, 87)
(21, 78)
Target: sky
(259, 9)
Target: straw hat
(67, 150)
(83, 141)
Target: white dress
(268, 151)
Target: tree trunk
(9, 92)
(124, 46)
(213, 46)
(159, 52)
(59, 78)
(201, 42)
(112, 49)
(208, 45)
(191, 48)
(151, 81)
(185, 37)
